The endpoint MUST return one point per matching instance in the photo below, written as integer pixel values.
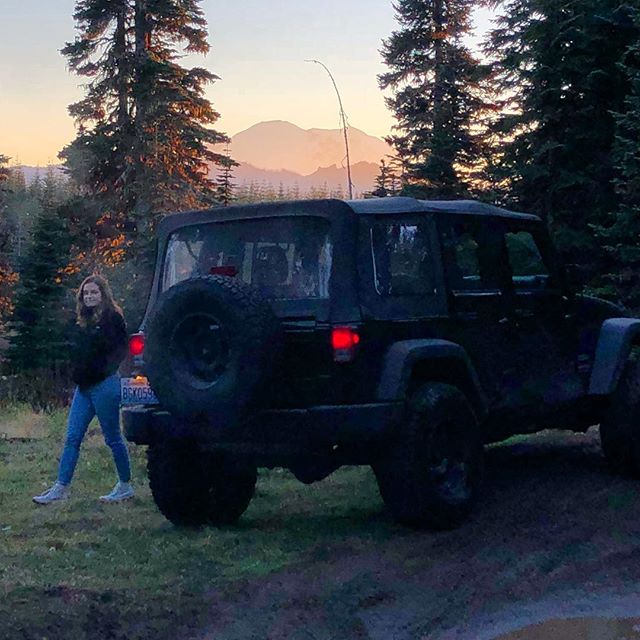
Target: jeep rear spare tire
(210, 343)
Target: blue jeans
(103, 400)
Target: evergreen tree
(38, 318)
(34, 190)
(382, 181)
(144, 137)
(224, 180)
(4, 174)
(172, 116)
(560, 79)
(7, 275)
(100, 159)
(620, 231)
(438, 96)
(22, 206)
(388, 180)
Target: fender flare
(613, 348)
(401, 358)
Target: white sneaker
(122, 491)
(58, 491)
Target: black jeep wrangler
(397, 333)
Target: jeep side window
(471, 256)
(402, 260)
(527, 265)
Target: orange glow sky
(258, 48)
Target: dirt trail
(555, 535)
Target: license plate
(136, 391)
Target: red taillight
(136, 344)
(343, 342)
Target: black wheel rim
(451, 465)
(199, 350)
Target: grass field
(80, 568)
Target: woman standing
(99, 346)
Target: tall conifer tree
(172, 116)
(38, 316)
(620, 231)
(225, 187)
(144, 139)
(7, 276)
(4, 174)
(437, 97)
(561, 81)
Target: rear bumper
(342, 425)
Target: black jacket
(98, 349)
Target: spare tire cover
(209, 345)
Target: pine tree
(7, 275)
(4, 174)
(38, 317)
(620, 231)
(100, 158)
(561, 81)
(144, 137)
(437, 101)
(172, 116)
(22, 206)
(388, 180)
(224, 180)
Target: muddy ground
(555, 535)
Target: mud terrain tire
(210, 344)
(194, 488)
(432, 473)
(619, 429)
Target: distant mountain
(279, 145)
(281, 153)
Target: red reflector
(344, 338)
(136, 344)
(228, 270)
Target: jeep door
(471, 248)
(509, 309)
(401, 288)
(545, 337)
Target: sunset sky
(258, 48)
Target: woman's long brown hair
(85, 315)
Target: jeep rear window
(285, 258)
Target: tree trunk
(141, 120)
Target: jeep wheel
(194, 488)
(431, 475)
(619, 428)
(209, 346)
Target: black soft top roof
(333, 207)
(467, 207)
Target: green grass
(123, 571)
